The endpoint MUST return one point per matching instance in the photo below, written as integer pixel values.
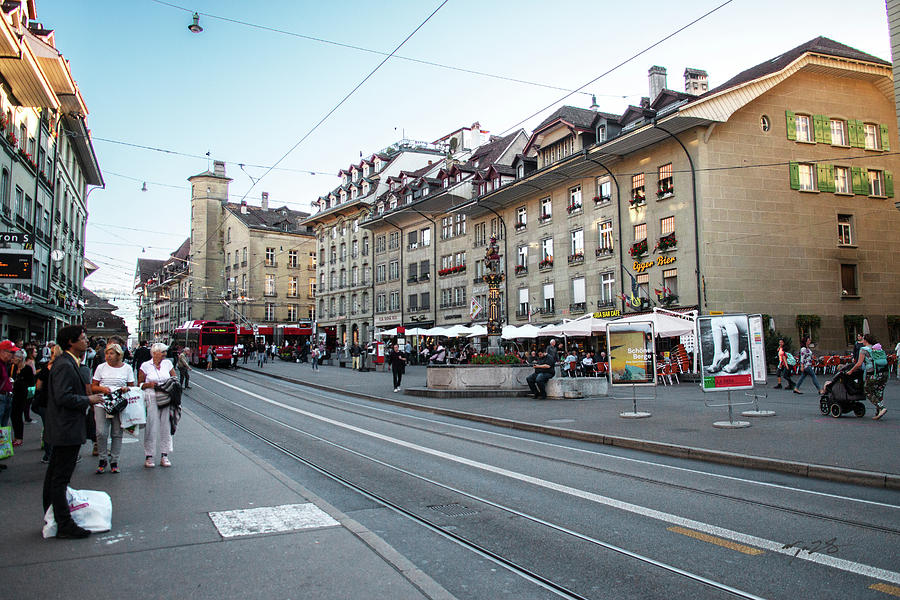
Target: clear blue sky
(247, 95)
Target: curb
(811, 470)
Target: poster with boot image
(725, 352)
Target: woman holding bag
(152, 373)
(110, 376)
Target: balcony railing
(603, 251)
(577, 258)
(578, 307)
(412, 279)
(522, 314)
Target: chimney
(696, 81)
(265, 201)
(594, 106)
(219, 168)
(645, 102)
(657, 77)
(243, 207)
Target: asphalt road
(598, 522)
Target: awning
(245, 331)
(664, 325)
(266, 330)
(297, 331)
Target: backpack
(878, 358)
(789, 359)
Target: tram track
(328, 401)
(508, 564)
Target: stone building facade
(47, 163)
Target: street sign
(15, 266)
(11, 237)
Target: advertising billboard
(725, 349)
(15, 266)
(757, 349)
(632, 353)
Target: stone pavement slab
(797, 439)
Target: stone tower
(206, 283)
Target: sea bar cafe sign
(640, 267)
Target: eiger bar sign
(15, 266)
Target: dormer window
(482, 188)
(409, 198)
(426, 190)
(393, 204)
(601, 133)
(365, 171)
(352, 193)
(343, 196)
(380, 207)
(520, 171)
(445, 182)
(458, 177)
(378, 164)
(365, 188)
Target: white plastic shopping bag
(134, 412)
(90, 509)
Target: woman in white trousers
(157, 434)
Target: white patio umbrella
(526, 331)
(387, 332)
(435, 331)
(664, 325)
(478, 331)
(416, 331)
(457, 330)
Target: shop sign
(606, 314)
(640, 267)
(10, 237)
(389, 318)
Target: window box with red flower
(521, 269)
(544, 218)
(601, 200)
(638, 249)
(574, 209)
(521, 226)
(546, 263)
(666, 188)
(666, 243)
(637, 197)
(452, 270)
(577, 257)
(11, 139)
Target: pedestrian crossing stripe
(270, 519)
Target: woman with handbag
(24, 375)
(110, 376)
(158, 433)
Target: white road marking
(270, 519)
(736, 536)
(628, 459)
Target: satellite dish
(57, 255)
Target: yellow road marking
(893, 590)
(716, 540)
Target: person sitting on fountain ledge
(544, 370)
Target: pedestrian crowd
(78, 387)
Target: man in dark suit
(65, 428)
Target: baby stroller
(842, 395)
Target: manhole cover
(453, 510)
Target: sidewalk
(164, 544)
(798, 439)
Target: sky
(247, 94)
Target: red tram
(200, 335)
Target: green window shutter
(851, 133)
(831, 187)
(795, 175)
(817, 128)
(826, 129)
(860, 139)
(791, 125)
(860, 185)
(885, 138)
(822, 177)
(888, 184)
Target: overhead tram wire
(329, 113)
(381, 53)
(616, 67)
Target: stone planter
(477, 377)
